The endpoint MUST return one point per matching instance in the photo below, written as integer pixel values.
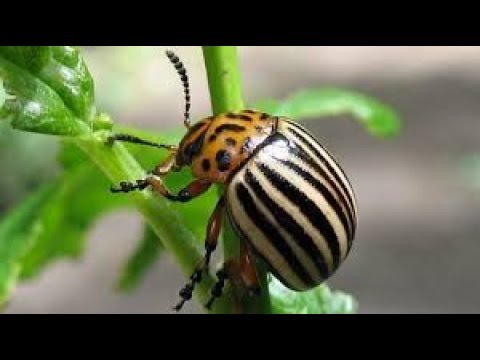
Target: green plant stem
(224, 81)
(119, 165)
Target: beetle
(285, 196)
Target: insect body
(294, 205)
(285, 196)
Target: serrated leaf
(18, 232)
(51, 88)
(379, 119)
(320, 300)
(61, 68)
(141, 261)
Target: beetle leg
(165, 167)
(213, 231)
(192, 190)
(217, 289)
(136, 140)
(248, 271)
(161, 170)
(242, 273)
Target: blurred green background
(418, 194)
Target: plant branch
(225, 87)
(119, 165)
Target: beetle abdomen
(295, 206)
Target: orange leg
(242, 273)
(213, 231)
(165, 167)
(192, 190)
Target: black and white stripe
(294, 204)
(327, 166)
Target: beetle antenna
(182, 72)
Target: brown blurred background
(419, 194)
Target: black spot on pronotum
(212, 138)
(193, 148)
(238, 117)
(230, 142)
(197, 144)
(223, 158)
(229, 127)
(244, 117)
(249, 111)
(205, 165)
(264, 116)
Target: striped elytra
(294, 204)
(285, 196)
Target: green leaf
(53, 223)
(84, 196)
(141, 261)
(81, 197)
(19, 230)
(320, 300)
(51, 88)
(379, 119)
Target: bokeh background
(417, 247)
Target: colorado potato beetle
(286, 197)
